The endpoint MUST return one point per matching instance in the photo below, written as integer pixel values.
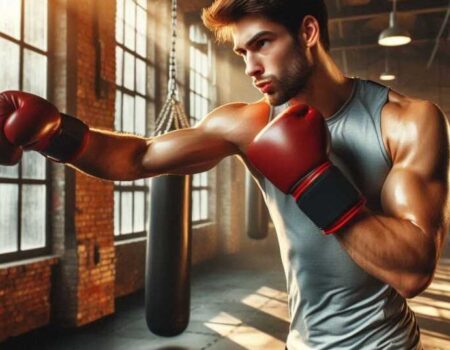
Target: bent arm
(401, 247)
(114, 156)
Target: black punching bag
(167, 277)
(256, 214)
(168, 261)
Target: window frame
(194, 20)
(131, 186)
(19, 255)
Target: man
(346, 290)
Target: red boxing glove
(31, 123)
(291, 151)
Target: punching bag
(167, 286)
(256, 214)
(168, 260)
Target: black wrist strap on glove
(70, 141)
(331, 200)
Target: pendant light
(394, 35)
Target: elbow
(415, 288)
(416, 284)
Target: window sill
(202, 225)
(129, 241)
(30, 261)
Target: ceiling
(356, 24)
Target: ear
(310, 31)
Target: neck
(327, 88)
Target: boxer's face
(273, 58)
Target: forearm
(394, 250)
(113, 156)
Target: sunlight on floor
(267, 300)
(432, 309)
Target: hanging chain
(173, 56)
(172, 115)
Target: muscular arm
(115, 156)
(402, 246)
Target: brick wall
(94, 199)
(24, 296)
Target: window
(200, 103)
(24, 188)
(134, 99)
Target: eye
(261, 43)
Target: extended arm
(28, 122)
(402, 246)
(115, 156)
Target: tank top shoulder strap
(375, 96)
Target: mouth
(264, 86)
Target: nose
(253, 66)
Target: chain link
(172, 58)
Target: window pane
(118, 111)
(119, 66)
(191, 104)
(140, 76)
(204, 203)
(139, 211)
(116, 213)
(10, 18)
(191, 79)
(35, 73)
(198, 83)
(129, 71)
(141, 27)
(9, 65)
(127, 212)
(195, 205)
(119, 21)
(204, 109)
(204, 87)
(140, 182)
(33, 166)
(204, 64)
(33, 216)
(36, 23)
(140, 116)
(128, 113)
(196, 180)
(204, 178)
(9, 199)
(198, 105)
(130, 23)
(10, 172)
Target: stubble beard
(291, 81)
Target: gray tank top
(333, 303)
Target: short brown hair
(290, 13)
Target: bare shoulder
(414, 128)
(237, 122)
